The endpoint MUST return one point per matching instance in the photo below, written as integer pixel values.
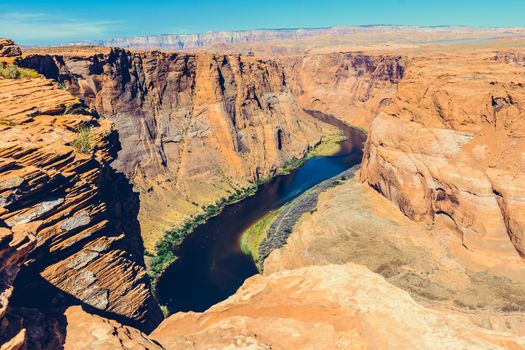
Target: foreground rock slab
(87, 332)
(326, 307)
(354, 224)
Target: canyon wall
(307, 40)
(67, 218)
(351, 86)
(193, 128)
(14, 248)
(194, 41)
(451, 148)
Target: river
(211, 265)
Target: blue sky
(50, 22)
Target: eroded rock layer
(451, 148)
(351, 86)
(8, 50)
(325, 307)
(14, 248)
(56, 184)
(193, 127)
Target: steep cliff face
(195, 41)
(451, 148)
(351, 86)
(56, 185)
(193, 128)
(14, 248)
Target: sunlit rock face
(450, 148)
(325, 307)
(193, 127)
(58, 191)
(353, 87)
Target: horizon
(62, 21)
(279, 29)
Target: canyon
(194, 128)
(421, 248)
(298, 41)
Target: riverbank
(195, 271)
(252, 238)
(272, 231)
(165, 249)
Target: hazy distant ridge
(196, 41)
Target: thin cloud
(41, 28)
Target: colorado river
(211, 265)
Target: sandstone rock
(14, 248)
(325, 307)
(8, 51)
(353, 223)
(15, 343)
(87, 248)
(351, 86)
(85, 331)
(449, 148)
(193, 127)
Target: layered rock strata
(14, 248)
(193, 127)
(9, 51)
(351, 86)
(56, 184)
(325, 307)
(85, 331)
(450, 148)
(305, 40)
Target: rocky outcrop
(325, 307)
(56, 185)
(9, 51)
(14, 248)
(352, 86)
(451, 148)
(85, 332)
(193, 128)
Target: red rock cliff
(56, 185)
(351, 86)
(193, 127)
(451, 148)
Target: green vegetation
(82, 143)
(251, 238)
(67, 110)
(164, 249)
(328, 146)
(164, 310)
(171, 240)
(11, 71)
(292, 164)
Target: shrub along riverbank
(271, 233)
(165, 252)
(251, 238)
